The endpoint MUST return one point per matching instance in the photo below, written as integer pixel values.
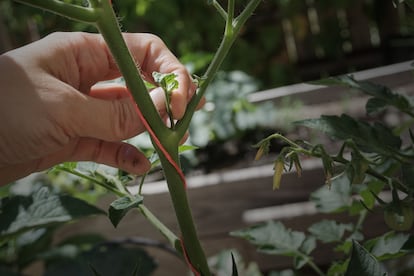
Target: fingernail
(134, 161)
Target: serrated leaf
(388, 245)
(335, 198)
(234, 266)
(167, 81)
(383, 96)
(41, 209)
(363, 263)
(120, 207)
(370, 138)
(329, 230)
(107, 260)
(274, 238)
(226, 261)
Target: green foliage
(40, 209)
(104, 260)
(274, 238)
(329, 231)
(28, 226)
(119, 208)
(228, 113)
(369, 138)
(372, 159)
(363, 263)
(230, 262)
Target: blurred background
(284, 43)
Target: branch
(71, 11)
(231, 32)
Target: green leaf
(234, 269)
(363, 263)
(184, 148)
(41, 209)
(120, 207)
(338, 268)
(375, 105)
(106, 260)
(388, 246)
(32, 243)
(329, 230)
(346, 245)
(375, 138)
(226, 261)
(336, 198)
(382, 95)
(168, 82)
(373, 187)
(273, 238)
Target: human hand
(51, 112)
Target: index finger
(153, 55)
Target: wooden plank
(394, 76)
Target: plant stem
(164, 230)
(219, 8)
(71, 11)
(311, 263)
(109, 28)
(185, 220)
(231, 32)
(315, 268)
(94, 180)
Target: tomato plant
(372, 158)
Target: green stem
(164, 230)
(231, 32)
(185, 220)
(220, 9)
(93, 180)
(109, 28)
(71, 11)
(337, 159)
(315, 267)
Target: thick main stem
(119, 49)
(178, 194)
(109, 28)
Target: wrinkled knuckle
(154, 39)
(97, 151)
(122, 120)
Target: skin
(52, 111)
